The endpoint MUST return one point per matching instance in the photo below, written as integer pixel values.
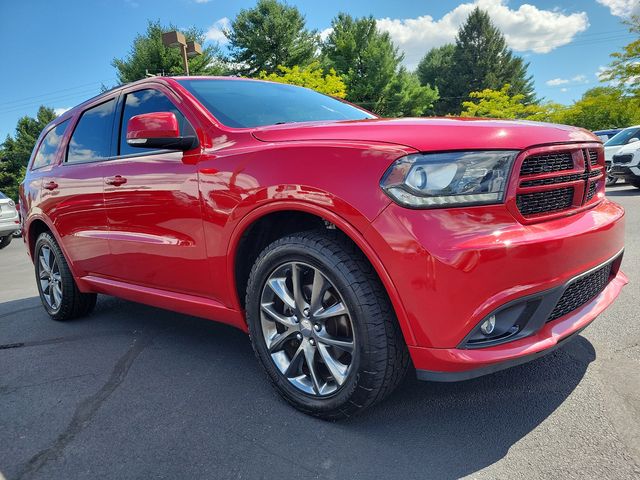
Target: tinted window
(2, 195)
(91, 140)
(49, 146)
(148, 101)
(623, 137)
(246, 103)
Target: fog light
(488, 325)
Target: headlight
(449, 179)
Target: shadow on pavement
(194, 402)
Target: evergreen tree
(433, 70)
(15, 151)
(370, 64)
(269, 35)
(481, 60)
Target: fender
(349, 230)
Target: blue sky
(58, 53)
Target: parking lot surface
(137, 392)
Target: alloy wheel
(50, 278)
(307, 328)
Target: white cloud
(564, 90)
(202, 1)
(554, 82)
(59, 111)
(527, 28)
(622, 8)
(216, 31)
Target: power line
(42, 95)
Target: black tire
(610, 180)
(380, 358)
(73, 303)
(5, 241)
(635, 183)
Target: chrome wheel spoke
(44, 266)
(309, 357)
(296, 362)
(338, 370)
(296, 280)
(57, 295)
(346, 345)
(277, 340)
(273, 315)
(50, 279)
(318, 289)
(279, 287)
(333, 311)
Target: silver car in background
(9, 220)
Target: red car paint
(168, 235)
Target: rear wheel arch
(256, 231)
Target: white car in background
(625, 164)
(627, 136)
(9, 220)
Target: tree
(269, 35)
(625, 68)
(600, 108)
(311, 76)
(481, 60)
(433, 70)
(15, 151)
(370, 64)
(502, 104)
(149, 54)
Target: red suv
(346, 245)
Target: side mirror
(633, 140)
(158, 130)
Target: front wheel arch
(317, 217)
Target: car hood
(629, 148)
(430, 134)
(609, 152)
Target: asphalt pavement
(138, 392)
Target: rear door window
(48, 148)
(91, 139)
(148, 101)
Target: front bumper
(625, 172)
(452, 268)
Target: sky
(59, 53)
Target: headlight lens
(449, 179)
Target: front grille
(561, 179)
(545, 202)
(626, 158)
(593, 188)
(548, 162)
(582, 291)
(593, 157)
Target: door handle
(116, 181)
(51, 185)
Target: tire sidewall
(271, 259)
(42, 241)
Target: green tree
(481, 60)
(502, 104)
(149, 54)
(433, 70)
(600, 108)
(625, 68)
(15, 151)
(269, 35)
(370, 64)
(311, 76)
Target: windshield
(623, 137)
(2, 196)
(247, 103)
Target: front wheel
(322, 326)
(636, 183)
(610, 180)
(5, 241)
(58, 290)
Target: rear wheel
(5, 241)
(58, 290)
(322, 326)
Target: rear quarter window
(49, 146)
